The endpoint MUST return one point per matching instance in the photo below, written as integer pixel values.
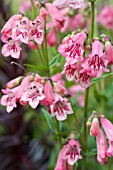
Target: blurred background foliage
(26, 140)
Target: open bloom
(60, 108)
(21, 30)
(72, 47)
(95, 62)
(33, 94)
(70, 70)
(69, 153)
(84, 78)
(10, 98)
(101, 148)
(11, 48)
(36, 30)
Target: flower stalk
(87, 92)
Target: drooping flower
(95, 62)
(70, 153)
(60, 108)
(11, 48)
(109, 52)
(108, 128)
(95, 128)
(72, 47)
(57, 17)
(110, 149)
(33, 94)
(101, 148)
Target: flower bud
(15, 82)
(95, 128)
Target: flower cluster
(102, 147)
(34, 90)
(82, 66)
(69, 155)
(19, 29)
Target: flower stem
(87, 93)
(33, 8)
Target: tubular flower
(72, 47)
(95, 128)
(95, 62)
(60, 108)
(101, 148)
(10, 98)
(33, 94)
(109, 52)
(57, 17)
(70, 153)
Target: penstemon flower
(69, 153)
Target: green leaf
(92, 153)
(48, 30)
(102, 77)
(36, 67)
(49, 120)
(54, 61)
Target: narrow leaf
(102, 77)
(49, 120)
(36, 67)
(48, 30)
(54, 61)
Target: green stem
(57, 125)
(87, 93)
(92, 20)
(33, 8)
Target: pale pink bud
(95, 128)
(48, 92)
(43, 13)
(15, 82)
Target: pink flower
(11, 23)
(84, 79)
(101, 148)
(106, 17)
(56, 15)
(60, 108)
(11, 48)
(110, 149)
(36, 30)
(69, 154)
(69, 3)
(95, 62)
(10, 98)
(33, 94)
(108, 128)
(109, 52)
(95, 128)
(70, 70)
(21, 30)
(72, 47)
(13, 83)
(48, 92)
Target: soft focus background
(26, 142)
